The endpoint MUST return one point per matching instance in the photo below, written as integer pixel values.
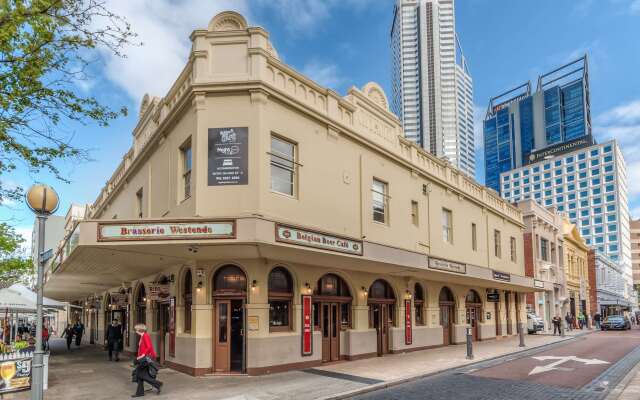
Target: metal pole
(562, 327)
(469, 344)
(37, 365)
(521, 333)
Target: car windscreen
(614, 319)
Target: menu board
(228, 156)
(307, 326)
(15, 374)
(408, 334)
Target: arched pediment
(375, 93)
(227, 21)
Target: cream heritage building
(261, 222)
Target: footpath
(84, 373)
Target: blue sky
(341, 43)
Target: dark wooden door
(222, 348)
(163, 322)
(496, 317)
(507, 306)
(381, 316)
(330, 328)
(446, 321)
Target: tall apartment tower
(431, 84)
(634, 225)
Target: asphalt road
(583, 368)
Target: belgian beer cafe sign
(166, 230)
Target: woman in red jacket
(146, 367)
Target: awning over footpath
(19, 298)
(108, 254)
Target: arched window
(141, 305)
(446, 296)
(418, 303)
(187, 293)
(380, 289)
(332, 288)
(473, 299)
(229, 279)
(280, 299)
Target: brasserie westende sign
(162, 230)
(303, 237)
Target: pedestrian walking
(556, 324)
(114, 339)
(79, 330)
(581, 320)
(146, 368)
(596, 320)
(68, 332)
(569, 320)
(45, 338)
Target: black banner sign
(501, 276)
(228, 156)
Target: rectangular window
(414, 213)
(497, 248)
(379, 195)
(139, 203)
(544, 249)
(447, 226)
(283, 166)
(185, 155)
(513, 249)
(474, 237)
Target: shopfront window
(333, 289)
(188, 300)
(280, 299)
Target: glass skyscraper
(523, 127)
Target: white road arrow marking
(561, 360)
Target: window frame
(474, 236)
(512, 245)
(293, 170)
(447, 230)
(385, 201)
(497, 243)
(281, 297)
(186, 173)
(415, 213)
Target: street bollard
(469, 344)
(521, 333)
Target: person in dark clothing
(114, 339)
(68, 332)
(569, 320)
(556, 324)
(79, 330)
(146, 368)
(596, 320)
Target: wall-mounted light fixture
(254, 284)
(307, 288)
(407, 295)
(144, 299)
(199, 287)
(364, 291)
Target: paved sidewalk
(629, 388)
(84, 373)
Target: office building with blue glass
(521, 127)
(539, 146)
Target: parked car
(534, 323)
(615, 322)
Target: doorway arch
(381, 301)
(229, 298)
(447, 304)
(331, 313)
(473, 304)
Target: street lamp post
(43, 201)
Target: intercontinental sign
(166, 230)
(560, 148)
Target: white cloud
(305, 16)
(26, 233)
(635, 7)
(325, 74)
(164, 28)
(624, 114)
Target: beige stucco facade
(576, 269)
(342, 146)
(544, 260)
